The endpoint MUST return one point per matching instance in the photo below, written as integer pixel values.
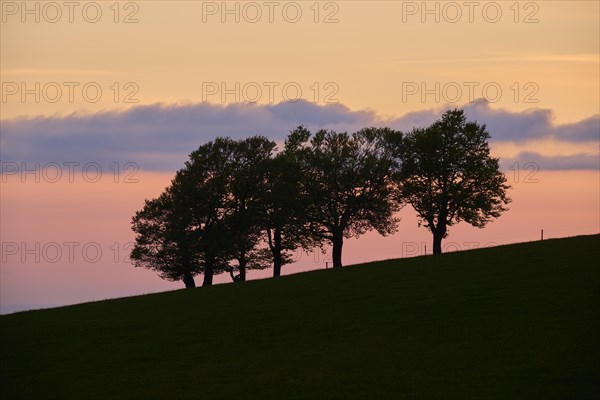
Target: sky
(101, 102)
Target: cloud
(508, 126)
(532, 124)
(585, 130)
(159, 137)
(537, 162)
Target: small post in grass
(542, 235)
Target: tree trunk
(437, 243)
(276, 265)
(234, 277)
(242, 267)
(208, 272)
(438, 234)
(338, 242)
(276, 250)
(188, 280)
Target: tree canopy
(448, 175)
(163, 241)
(348, 182)
(238, 205)
(285, 203)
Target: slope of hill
(511, 322)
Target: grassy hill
(511, 322)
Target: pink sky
(84, 217)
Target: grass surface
(510, 322)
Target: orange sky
(368, 49)
(91, 216)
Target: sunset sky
(101, 104)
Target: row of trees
(240, 205)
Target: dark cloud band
(159, 137)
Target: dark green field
(510, 322)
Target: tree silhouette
(212, 218)
(221, 185)
(348, 181)
(284, 203)
(200, 189)
(162, 241)
(448, 175)
(236, 206)
(247, 170)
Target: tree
(210, 219)
(163, 243)
(448, 175)
(222, 184)
(284, 204)
(202, 186)
(247, 168)
(348, 181)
